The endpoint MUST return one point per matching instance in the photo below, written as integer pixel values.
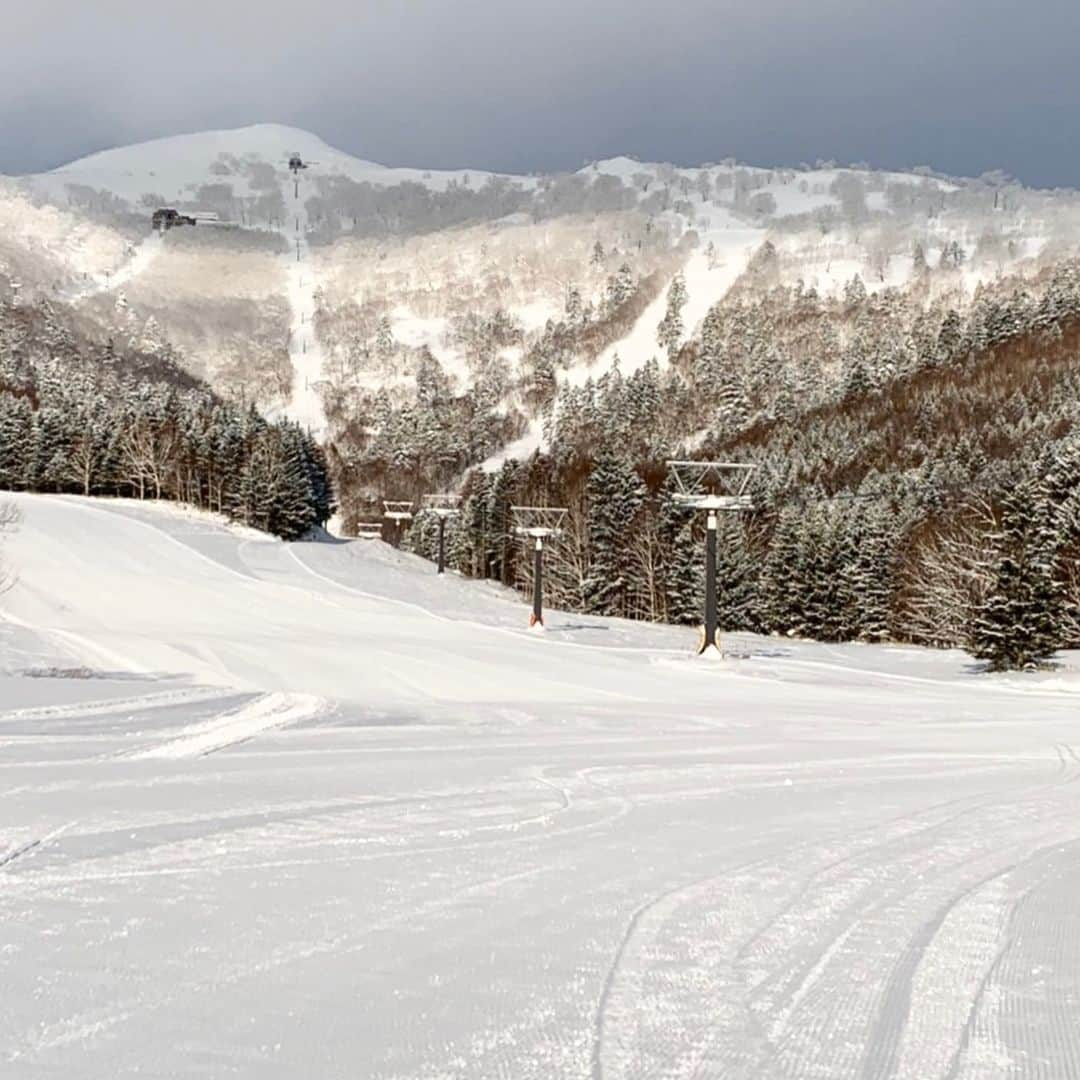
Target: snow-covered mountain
(322, 287)
(178, 165)
(899, 340)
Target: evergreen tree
(292, 510)
(869, 572)
(670, 330)
(684, 581)
(614, 494)
(500, 536)
(384, 339)
(1017, 626)
(574, 307)
(733, 404)
(620, 287)
(318, 475)
(781, 607)
(822, 605)
(736, 578)
(16, 440)
(854, 294)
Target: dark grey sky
(964, 86)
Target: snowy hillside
(371, 303)
(44, 247)
(306, 809)
(179, 165)
(728, 208)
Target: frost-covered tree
(614, 496)
(919, 265)
(620, 287)
(1018, 624)
(79, 417)
(869, 574)
(684, 568)
(670, 330)
(781, 606)
(574, 307)
(736, 577)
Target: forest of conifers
(917, 466)
(94, 419)
(920, 482)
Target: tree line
(936, 501)
(91, 419)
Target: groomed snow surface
(305, 406)
(307, 810)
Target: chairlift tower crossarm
(397, 512)
(444, 506)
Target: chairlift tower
(397, 512)
(540, 523)
(713, 487)
(444, 506)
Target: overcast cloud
(963, 86)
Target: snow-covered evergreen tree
(620, 287)
(1018, 625)
(869, 574)
(781, 593)
(614, 496)
(736, 577)
(670, 330)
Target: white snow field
(305, 352)
(138, 258)
(307, 810)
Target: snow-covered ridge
(174, 166)
(413, 272)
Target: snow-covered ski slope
(311, 811)
(174, 166)
(137, 259)
(305, 352)
(423, 277)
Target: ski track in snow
(923, 1010)
(106, 706)
(475, 855)
(265, 713)
(30, 846)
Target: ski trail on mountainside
(305, 405)
(141, 257)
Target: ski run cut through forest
(280, 802)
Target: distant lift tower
(444, 507)
(711, 486)
(541, 523)
(397, 512)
